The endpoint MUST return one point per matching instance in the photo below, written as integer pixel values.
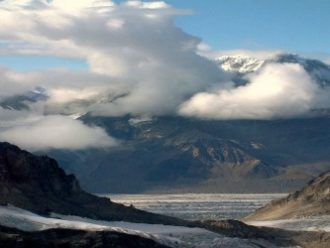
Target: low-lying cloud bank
(50, 132)
(276, 91)
(140, 63)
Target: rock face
(72, 239)
(39, 185)
(312, 200)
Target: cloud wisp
(50, 132)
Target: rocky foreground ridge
(10, 237)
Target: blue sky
(293, 25)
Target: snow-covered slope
(239, 63)
(173, 236)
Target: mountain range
(181, 154)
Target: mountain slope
(312, 200)
(190, 155)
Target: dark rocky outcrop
(312, 200)
(38, 184)
(64, 238)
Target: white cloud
(149, 60)
(148, 5)
(13, 83)
(54, 132)
(277, 91)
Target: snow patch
(240, 64)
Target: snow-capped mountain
(244, 64)
(241, 65)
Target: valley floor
(197, 206)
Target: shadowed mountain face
(180, 154)
(312, 200)
(39, 185)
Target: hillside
(312, 200)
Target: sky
(149, 59)
(290, 25)
(286, 25)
